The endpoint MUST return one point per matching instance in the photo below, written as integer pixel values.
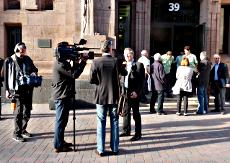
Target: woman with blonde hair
(183, 86)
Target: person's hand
(133, 95)
(85, 56)
(8, 95)
(33, 74)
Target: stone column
(143, 25)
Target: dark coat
(135, 79)
(104, 74)
(11, 74)
(222, 72)
(158, 76)
(203, 68)
(64, 76)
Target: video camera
(66, 51)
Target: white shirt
(145, 61)
(128, 68)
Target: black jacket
(222, 73)
(135, 79)
(11, 74)
(64, 76)
(104, 74)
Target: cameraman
(15, 67)
(64, 75)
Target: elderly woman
(183, 86)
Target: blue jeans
(101, 127)
(202, 99)
(62, 107)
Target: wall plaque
(44, 43)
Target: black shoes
(123, 134)
(65, 144)
(136, 137)
(215, 110)
(161, 113)
(152, 111)
(63, 149)
(18, 138)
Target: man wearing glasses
(219, 80)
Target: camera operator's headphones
(18, 46)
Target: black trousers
(134, 104)
(23, 109)
(183, 95)
(219, 94)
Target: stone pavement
(166, 138)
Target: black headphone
(18, 46)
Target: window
(12, 4)
(46, 4)
(39, 4)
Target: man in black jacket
(64, 75)
(15, 67)
(132, 87)
(219, 79)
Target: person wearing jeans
(62, 114)
(203, 69)
(104, 73)
(101, 127)
(158, 88)
(63, 85)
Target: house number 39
(174, 6)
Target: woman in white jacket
(183, 85)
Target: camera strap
(16, 63)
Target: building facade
(155, 25)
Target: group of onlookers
(192, 78)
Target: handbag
(34, 80)
(121, 105)
(31, 80)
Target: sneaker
(18, 138)
(178, 113)
(185, 114)
(100, 154)
(26, 134)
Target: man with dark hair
(104, 74)
(193, 64)
(15, 67)
(65, 71)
